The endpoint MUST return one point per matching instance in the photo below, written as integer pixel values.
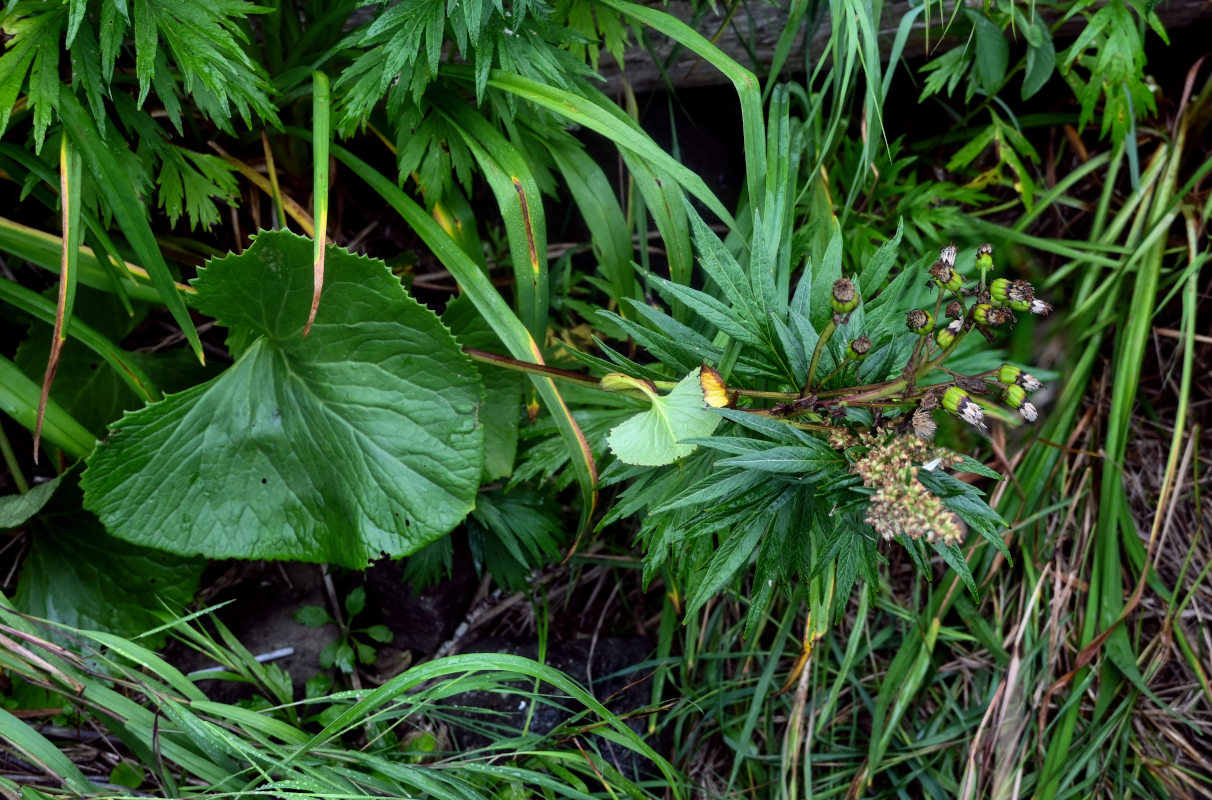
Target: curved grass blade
(115, 189)
(496, 313)
(69, 197)
(604, 118)
(521, 205)
(594, 196)
(19, 399)
(752, 119)
(39, 751)
(321, 138)
(38, 306)
(46, 251)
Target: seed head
(844, 297)
(1016, 294)
(919, 321)
(945, 276)
(1011, 375)
(947, 255)
(1040, 307)
(986, 314)
(858, 348)
(923, 424)
(955, 310)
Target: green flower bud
(946, 336)
(1016, 398)
(1017, 294)
(958, 402)
(858, 348)
(999, 291)
(986, 314)
(919, 321)
(984, 256)
(844, 298)
(1012, 375)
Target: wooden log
(754, 28)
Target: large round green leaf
(358, 441)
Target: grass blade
(45, 250)
(38, 306)
(594, 196)
(321, 138)
(517, 195)
(19, 398)
(69, 197)
(602, 116)
(113, 185)
(39, 751)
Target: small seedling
(349, 648)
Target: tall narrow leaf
(69, 198)
(114, 186)
(321, 138)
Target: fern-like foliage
(190, 57)
(416, 46)
(180, 47)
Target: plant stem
(825, 336)
(530, 367)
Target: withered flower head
(1010, 374)
(923, 424)
(1016, 398)
(1016, 294)
(984, 256)
(919, 321)
(844, 297)
(945, 276)
(946, 336)
(986, 314)
(858, 348)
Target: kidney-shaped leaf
(654, 437)
(359, 440)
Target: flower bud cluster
(1018, 384)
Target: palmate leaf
(360, 440)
